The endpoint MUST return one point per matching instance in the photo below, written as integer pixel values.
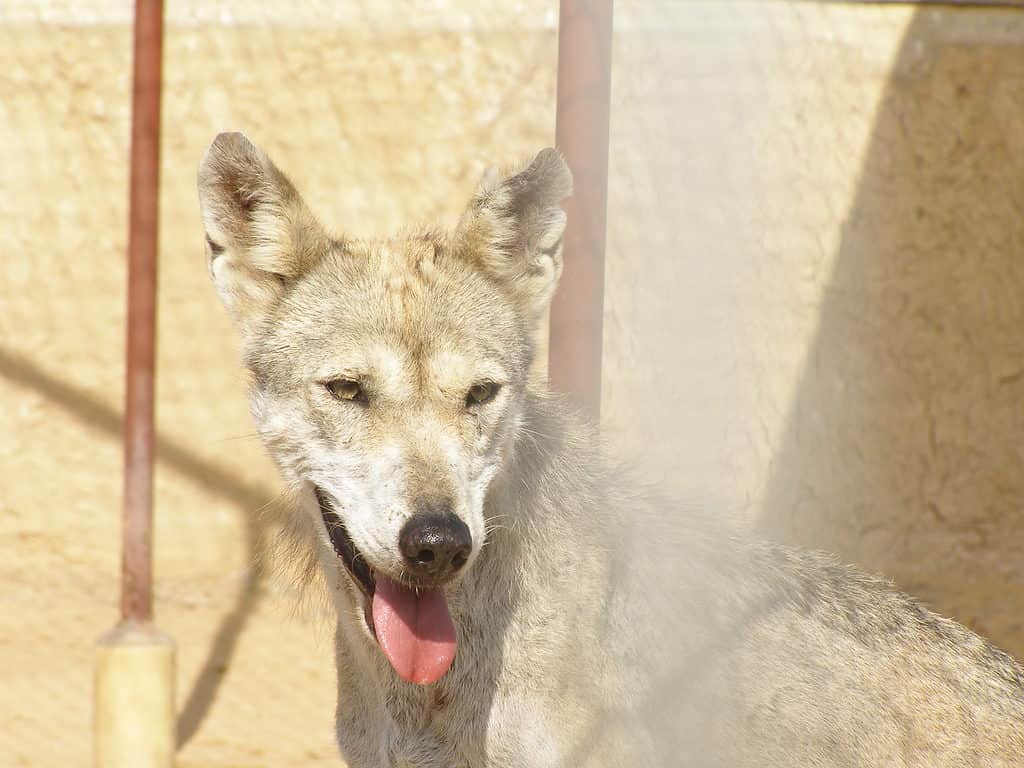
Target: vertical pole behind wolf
(581, 133)
(134, 674)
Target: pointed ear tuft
(513, 228)
(490, 180)
(259, 233)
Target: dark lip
(345, 549)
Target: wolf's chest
(509, 730)
(432, 733)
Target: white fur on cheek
(364, 487)
(368, 492)
(286, 432)
(470, 502)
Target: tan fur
(597, 624)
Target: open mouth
(345, 549)
(412, 626)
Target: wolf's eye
(482, 393)
(346, 389)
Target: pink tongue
(415, 631)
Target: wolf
(505, 594)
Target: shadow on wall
(904, 450)
(90, 410)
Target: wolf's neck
(553, 479)
(554, 457)
(558, 485)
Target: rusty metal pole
(581, 133)
(133, 718)
(140, 357)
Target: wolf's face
(387, 375)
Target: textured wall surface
(826, 203)
(903, 443)
(814, 296)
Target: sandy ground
(812, 316)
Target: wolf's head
(387, 376)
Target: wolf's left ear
(259, 233)
(513, 228)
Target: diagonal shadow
(901, 451)
(91, 411)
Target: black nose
(435, 545)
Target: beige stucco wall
(830, 218)
(813, 297)
(903, 443)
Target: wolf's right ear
(259, 233)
